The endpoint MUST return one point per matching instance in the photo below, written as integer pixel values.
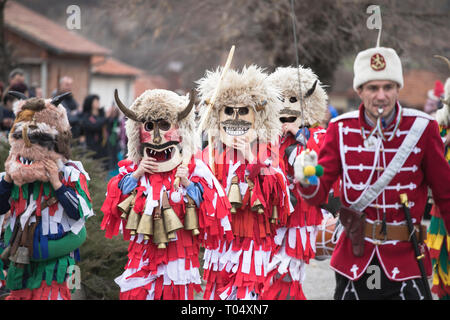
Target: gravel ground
(319, 282)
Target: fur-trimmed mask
(40, 131)
(160, 125)
(314, 96)
(246, 106)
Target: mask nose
(236, 114)
(157, 136)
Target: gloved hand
(306, 169)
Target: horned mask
(40, 131)
(246, 106)
(314, 107)
(160, 125)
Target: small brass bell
(257, 205)
(171, 221)
(145, 226)
(191, 218)
(132, 222)
(159, 233)
(274, 217)
(234, 195)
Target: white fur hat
(377, 63)
(250, 87)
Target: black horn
(57, 100)
(18, 95)
(311, 90)
(183, 114)
(127, 112)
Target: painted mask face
(291, 108)
(290, 111)
(236, 121)
(40, 132)
(160, 140)
(157, 127)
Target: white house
(108, 74)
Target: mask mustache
(236, 123)
(159, 146)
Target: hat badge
(377, 62)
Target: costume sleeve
(5, 194)
(437, 170)
(195, 191)
(330, 160)
(111, 215)
(128, 183)
(214, 215)
(68, 199)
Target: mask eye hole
(229, 111)
(148, 126)
(164, 125)
(288, 119)
(293, 99)
(281, 99)
(243, 111)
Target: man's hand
(307, 158)
(147, 165)
(7, 177)
(242, 144)
(291, 127)
(183, 174)
(52, 173)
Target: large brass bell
(145, 226)
(274, 217)
(132, 222)
(159, 233)
(21, 256)
(171, 221)
(234, 195)
(126, 205)
(257, 205)
(191, 218)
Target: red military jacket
(359, 163)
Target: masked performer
(299, 120)
(245, 116)
(48, 198)
(164, 223)
(438, 239)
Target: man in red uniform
(380, 151)
(300, 117)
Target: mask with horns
(314, 96)
(40, 131)
(160, 125)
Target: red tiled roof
(47, 33)
(146, 82)
(111, 66)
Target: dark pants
(365, 288)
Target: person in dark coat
(93, 124)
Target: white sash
(394, 166)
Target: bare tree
(5, 59)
